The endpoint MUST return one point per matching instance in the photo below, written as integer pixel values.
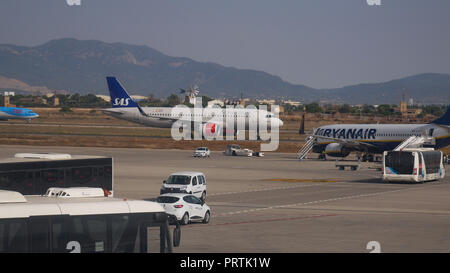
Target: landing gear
(368, 158)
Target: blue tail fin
(119, 97)
(444, 120)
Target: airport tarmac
(277, 204)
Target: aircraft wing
(444, 126)
(347, 142)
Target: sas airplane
(124, 107)
(17, 113)
(339, 140)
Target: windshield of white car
(167, 199)
(201, 149)
(179, 180)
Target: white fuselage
(164, 117)
(382, 136)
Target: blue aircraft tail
(119, 97)
(444, 120)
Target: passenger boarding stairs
(309, 143)
(415, 141)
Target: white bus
(414, 165)
(34, 173)
(82, 220)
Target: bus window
(400, 162)
(49, 176)
(97, 230)
(39, 231)
(123, 234)
(154, 239)
(89, 232)
(59, 234)
(82, 175)
(108, 171)
(420, 164)
(17, 181)
(432, 161)
(13, 236)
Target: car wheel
(185, 219)
(207, 217)
(203, 196)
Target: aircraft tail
(444, 120)
(119, 97)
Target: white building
(267, 102)
(211, 103)
(291, 102)
(104, 97)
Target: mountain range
(80, 66)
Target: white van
(186, 182)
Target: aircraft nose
(280, 123)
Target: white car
(185, 207)
(186, 182)
(202, 152)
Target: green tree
(313, 108)
(173, 100)
(385, 109)
(345, 109)
(65, 109)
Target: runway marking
(302, 180)
(265, 220)
(307, 203)
(263, 189)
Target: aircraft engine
(336, 150)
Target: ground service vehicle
(67, 222)
(414, 165)
(186, 182)
(34, 173)
(235, 150)
(185, 207)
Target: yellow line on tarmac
(303, 180)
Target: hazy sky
(319, 43)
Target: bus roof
(47, 158)
(19, 206)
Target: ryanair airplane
(17, 113)
(212, 122)
(340, 139)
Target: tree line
(92, 101)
